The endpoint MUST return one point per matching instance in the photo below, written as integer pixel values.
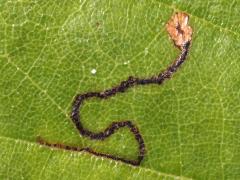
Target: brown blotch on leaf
(179, 30)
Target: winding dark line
(113, 127)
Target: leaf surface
(190, 124)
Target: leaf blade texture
(190, 124)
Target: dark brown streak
(113, 127)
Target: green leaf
(190, 124)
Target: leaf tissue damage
(181, 34)
(179, 30)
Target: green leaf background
(191, 124)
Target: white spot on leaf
(93, 71)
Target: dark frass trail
(180, 32)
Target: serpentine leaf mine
(181, 34)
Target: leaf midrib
(9, 139)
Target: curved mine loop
(122, 87)
(113, 127)
(180, 33)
